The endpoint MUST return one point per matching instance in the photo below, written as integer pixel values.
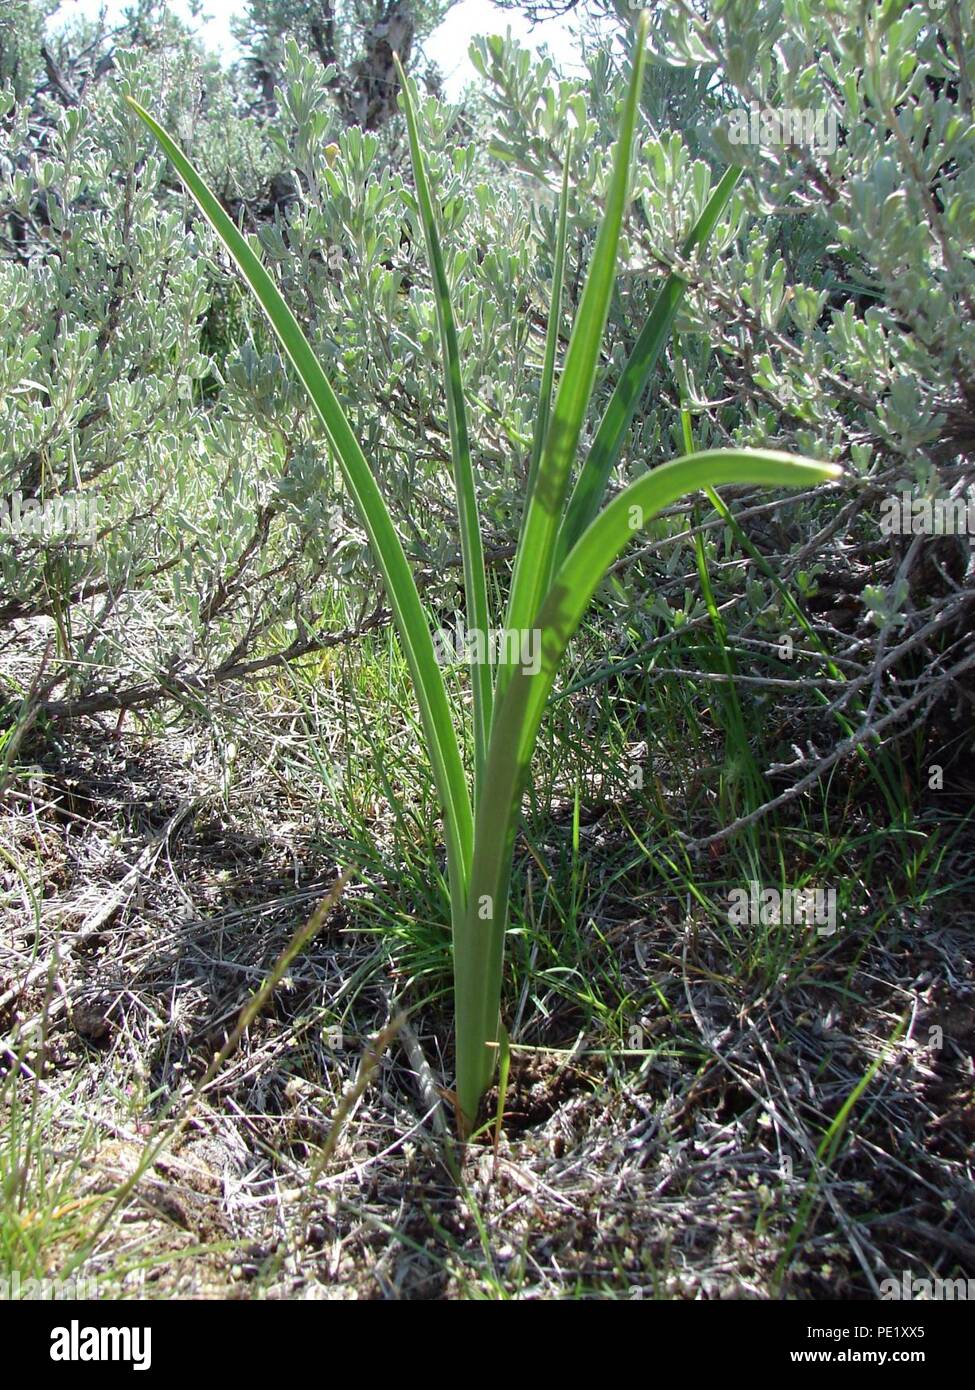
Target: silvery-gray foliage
(837, 321)
(831, 314)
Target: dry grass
(684, 1167)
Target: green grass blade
(401, 588)
(472, 551)
(504, 1071)
(587, 495)
(519, 713)
(533, 565)
(552, 332)
(729, 712)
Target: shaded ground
(677, 1160)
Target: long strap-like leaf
(540, 433)
(592, 481)
(414, 630)
(533, 565)
(518, 715)
(472, 551)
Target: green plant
(564, 551)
